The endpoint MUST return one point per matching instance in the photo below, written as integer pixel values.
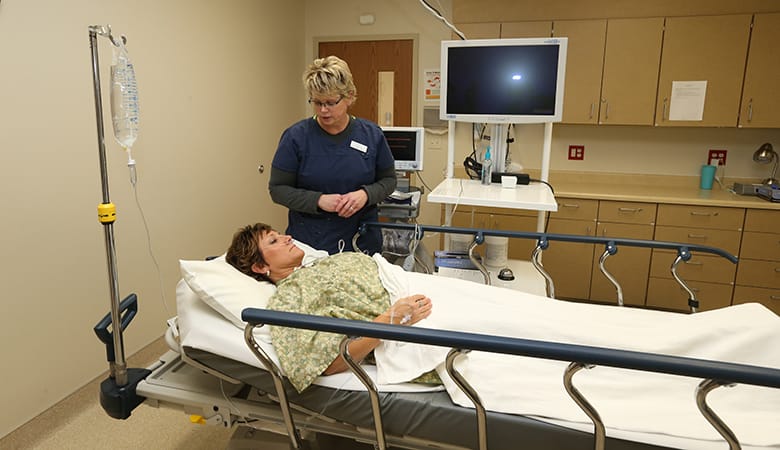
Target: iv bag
(124, 98)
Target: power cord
(544, 182)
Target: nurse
(331, 169)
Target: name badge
(358, 146)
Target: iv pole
(107, 210)
(118, 392)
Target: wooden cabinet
(644, 274)
(758, 275)
(630, 81)
(710, 277)
(585, 56)
(531, 29)
(705, 48)
(760, 95)
(630, 265)
(570, 264)
(488, 30)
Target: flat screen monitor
(406, 145)
(503, 80)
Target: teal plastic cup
(707, 176)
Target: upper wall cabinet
(761, 96)
(630, 81)
(585, 56)
(490, 30)
(531, 29)
(711, 49)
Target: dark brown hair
(245, 252)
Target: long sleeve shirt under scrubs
(310, 162)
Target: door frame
(415, 38)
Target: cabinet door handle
(569, 205)
(630, 210)
(592, 110)
(663, 111)
(777, 269)
(694, 263)
(697, 236)
(704, 213)
(606, 111)
(774, 297)
(750, 110)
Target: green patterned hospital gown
(345, 286)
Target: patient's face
(279, 251)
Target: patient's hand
(410, 310)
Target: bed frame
(267, 399)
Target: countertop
(652, 189)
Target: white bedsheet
(637, 405)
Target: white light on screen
(517, 77)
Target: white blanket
(631, 403)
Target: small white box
(508, 182)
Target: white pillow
(229, 291)
(225, 289)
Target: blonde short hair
(329, 76)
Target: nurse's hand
(329, 202)
(352, 202)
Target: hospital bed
(226, 376)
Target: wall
(216, 89)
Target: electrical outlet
(717, 157)
(434, 142)
(576, 152)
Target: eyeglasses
(319, 105)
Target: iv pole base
(119, 401)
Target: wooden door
(366, 60)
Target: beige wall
(218, 81)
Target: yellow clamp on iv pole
(106, 213)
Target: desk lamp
(765, 155)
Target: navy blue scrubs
(334, 165)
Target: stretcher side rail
(714, 373)
(611, 245)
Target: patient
(344, 285)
